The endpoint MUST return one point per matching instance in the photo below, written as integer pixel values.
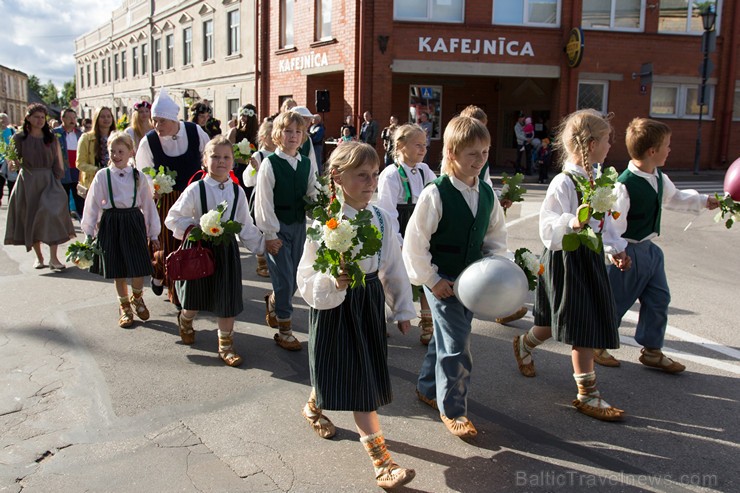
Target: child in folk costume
(120, 211)
(348, 340)
(283, 180)
(573, 300)
(457, 221)
(249, 179)
(642, 192)
(221, 292)
(399, 187)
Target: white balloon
(492, 287)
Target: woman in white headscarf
(178, 146)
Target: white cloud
(38, 36)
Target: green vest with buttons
(458, 240)
(290, 188)
(643, 218)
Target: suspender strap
(110, 189)
(405, 182)
(382, 233)
(204, 200)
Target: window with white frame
(95, 73)
(116, 73)
(681, 16)
(616, 15)
(123, 64)
(544, 13)
(593, 94)
(144, 59)
(170, 53)
(232, 20)
(134, 61)
(157, 55)
(110, 73)
(102, 70)
(208, 40)
(187, 46)
(233, 107)
(82, 77)
(286, 23)
(429, 10)
(679, 101)
(323, 20)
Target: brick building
(404, 57)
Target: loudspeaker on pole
(322, 101)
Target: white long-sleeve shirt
(391, 191)
(122, 184)
(560, 207)
(321, 293)
(186, 211)
(674, 199)
(425, 220)
(264, 204)
(171, 145)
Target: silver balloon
(492, 287)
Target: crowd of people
(431, 228)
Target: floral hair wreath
(247, 112)
(142, 104)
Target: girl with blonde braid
(573, 301)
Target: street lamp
(708, 17)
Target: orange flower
(542, 270)
(615, 215)
(332, 223)
(215, 230)
(156, 187)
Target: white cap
(165, 107)
(303, 111)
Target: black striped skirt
(348, 351)
(220, 293)
(574, 297)
(122, 238)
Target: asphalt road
(86, 406)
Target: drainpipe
(359, 99)
(263, 65)
(729, 95)
(150, 56)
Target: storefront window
(429, 10)
(679, 16)
(529, 12)
(679, 101)
(593, 94)
(622, 15)
(426, 100)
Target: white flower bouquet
(163, 180)
(83, 254)
(530, 264)
(243, 150)
(212, 228)
(323, 197)
(343, 242)
(512, 189)
(729, 210)
(599, 195)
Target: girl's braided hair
(577, 131)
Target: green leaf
(571, 242)
(583, 214)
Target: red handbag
(188, 264)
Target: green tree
(69, 92)
(34, 84)
(50, 94)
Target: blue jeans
(645, 281)
(445, 371)
(283, 267)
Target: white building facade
(199, 50)
(13, 94)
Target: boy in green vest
(283, 180)
(457, 220)
(638, 271)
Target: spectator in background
(87, 124)
(428, 127)
(369, 129)
(316, 134)
(388, 142)
(199, 114)
(141, 122)
(246, 129)
(6, 175)
(68, 135)
(521, 144)
(348, 124)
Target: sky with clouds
(37, 36)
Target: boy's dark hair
(643, 134)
